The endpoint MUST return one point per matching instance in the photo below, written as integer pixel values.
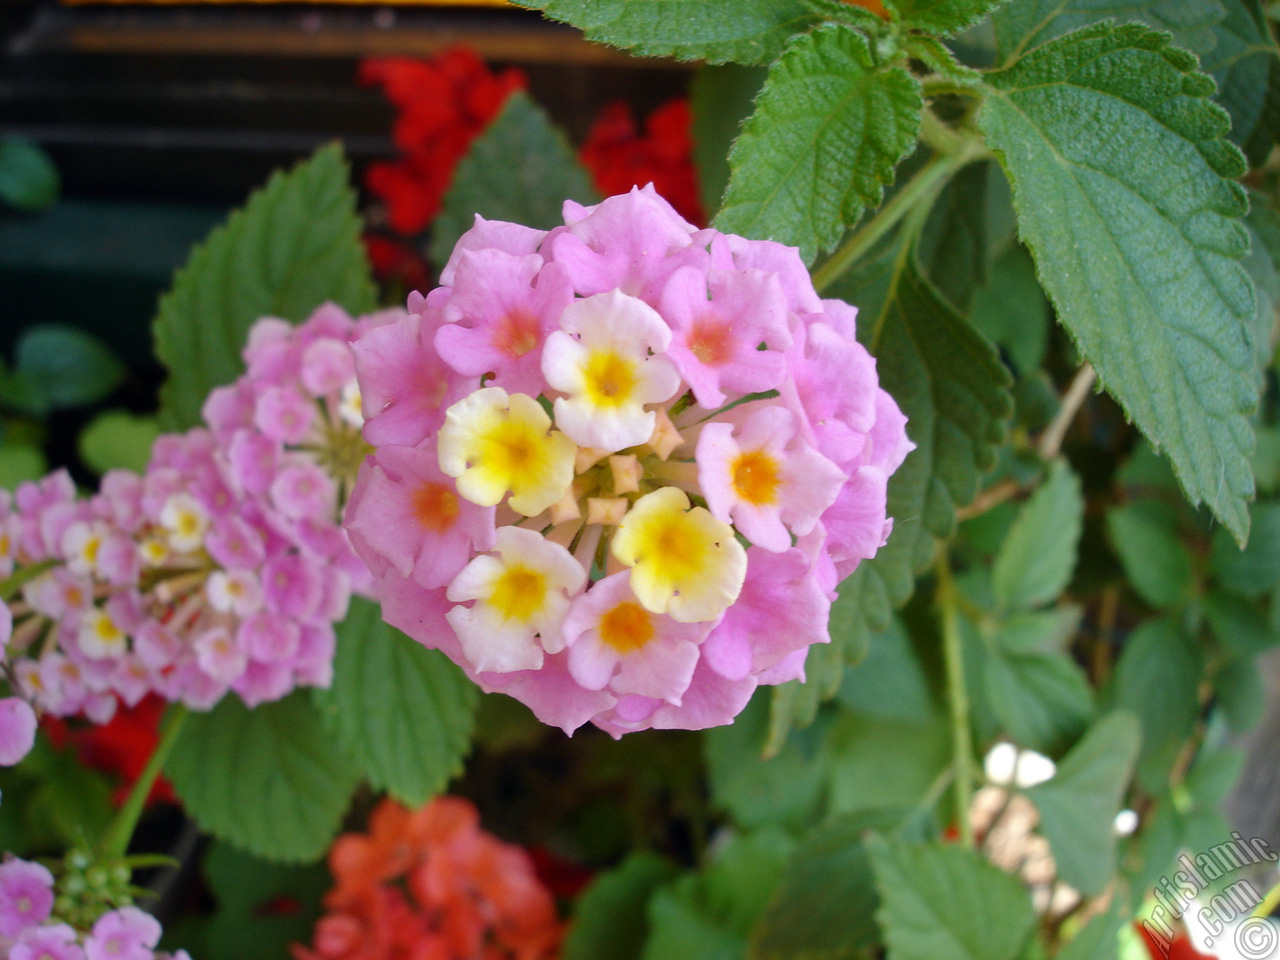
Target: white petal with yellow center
(80, 546)
(100, 637)
(495, 443)
(684, 562)
(607, 357)
(185, 521)
(521, 597)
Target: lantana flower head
(620, 466)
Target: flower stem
(115, 842)
(924, 185)
(958, 697)
(9, 587)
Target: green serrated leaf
(890, 682)
(405, 713)
(947, 902)
(743, 31)
(292, 246)
(1156, 679)
(1156, 561)
(610, 920)
(69, 367)
(1245, 63)
(942, 17)
(28, 179)
(824, 908)
(1120, 176)
(267, 779)
(721, 98)
(829, 127)
(1022, 25)
(118, 440)
(1078, 806)
(1037, 559)
(520, 169)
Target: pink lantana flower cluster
(621, 466)
(222, 568)
(30, 929)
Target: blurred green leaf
(1011, 310)
(520, 169)
(947, 902)
(1078, 806)
(721, 98)
(28, 179)
(1036, 560)
(610, 920)
(118, 440)
(1255, 569)
(1156, 561)
(70, 368)
(20, 463)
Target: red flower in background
(619, 157)
(119, 748)
(431, 885)
(1161, 949)
(442, 104)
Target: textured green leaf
(1024, 24)
(1156, 561)
(520, 169)
(824, 908)
(954, 391)
(1246, 65)
(1255, 569)
(720, 97)
(947, 903)
(404, 712)
(116, 439)
(266, 779)
(744, 31)
(294, 245)
(1120, 180)
(1037, 559)
(1078, 806)
(941, 16)
(1156, 679)
(28, 179)
(610, 921)
(829, 127)
(69, 367)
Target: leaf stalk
(957, 696)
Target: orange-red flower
(431, 885)
(619, 157)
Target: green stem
(9, 587)
(925, 185)
(1268, 903)
(958, 697)
(115, 843)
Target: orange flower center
(626, 628)
(516, 333)
(755, 477)
(435, 506)
(711, 341)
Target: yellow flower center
(518, 593)
(610, 379)
(756, 478)
(626, 628)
